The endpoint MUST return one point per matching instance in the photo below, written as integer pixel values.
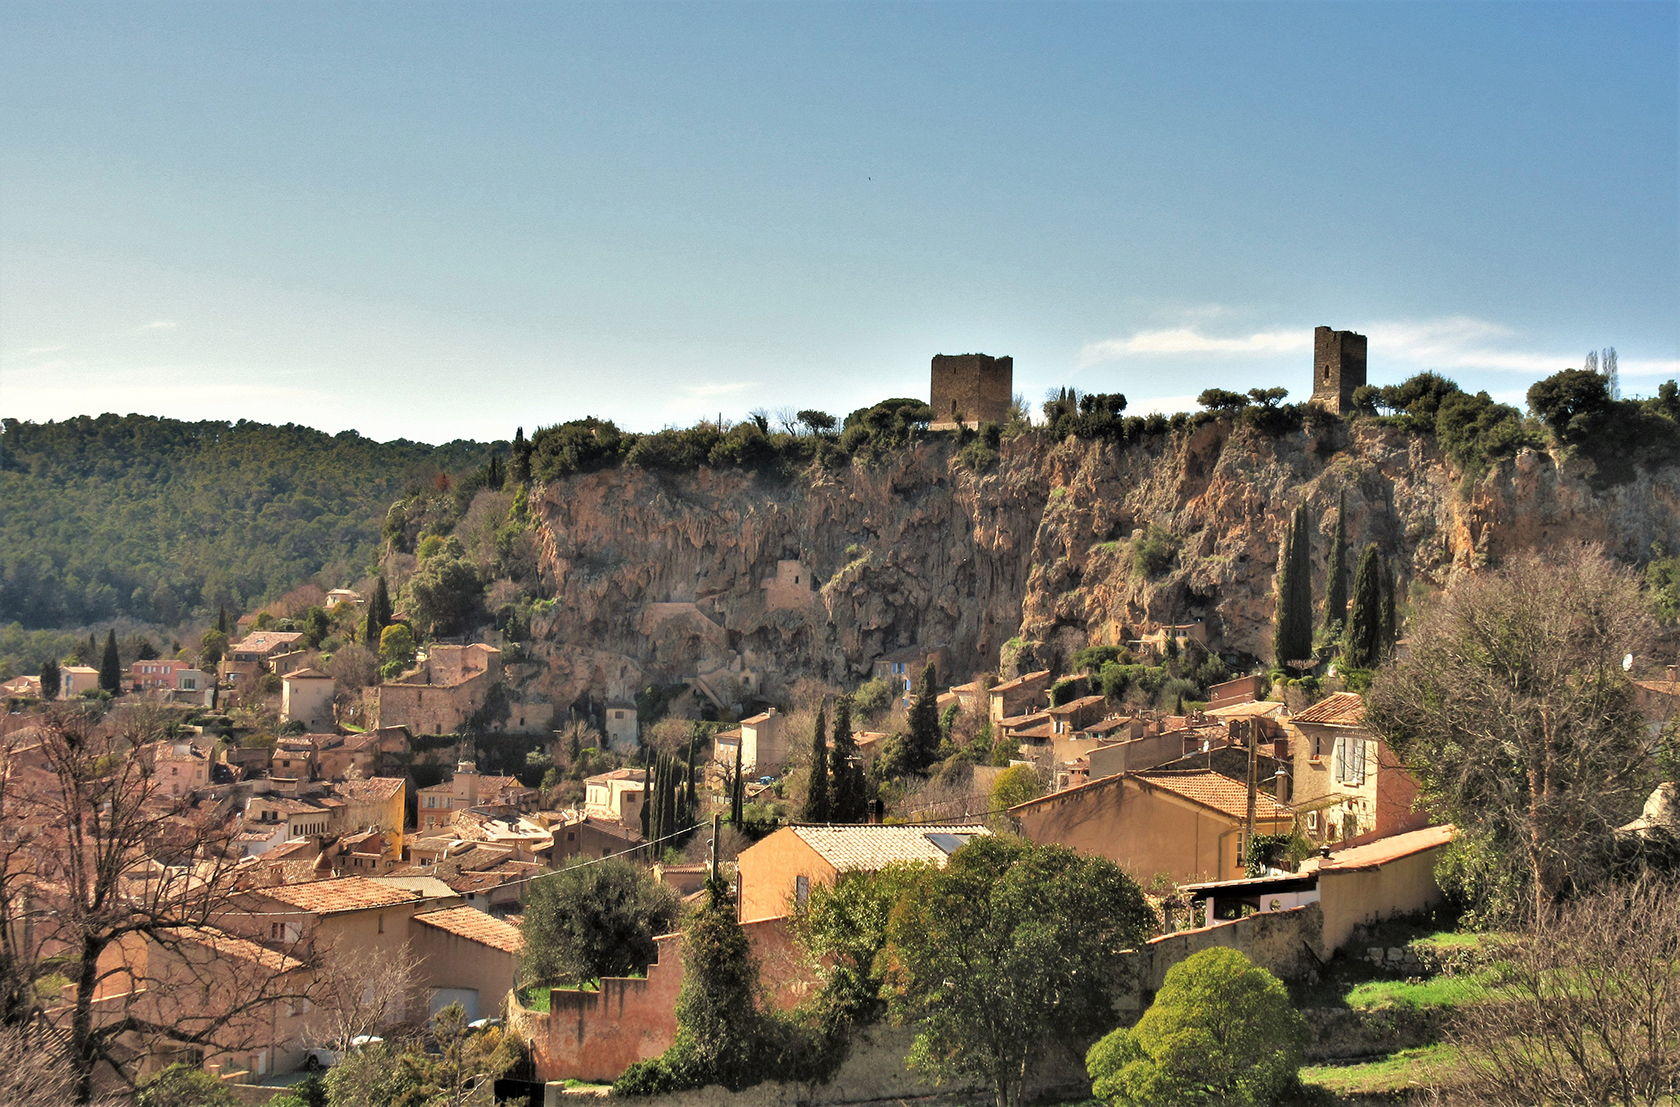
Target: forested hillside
(156, 519)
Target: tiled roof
(1011, 685)
(346, 893)
(1028, 719)
(1104, 726)
(81, 670)
(224, 944)
(263, 641)
(1372, 855)
(617, 774)
(1336, 709)
(1660, 687)
(1216, 791)
(867, 848)
(757, 719)
(1074, 706)
(475, 926)
(1248, 709)
(306, 674)
(372, 790)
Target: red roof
(1373, 855)
(1336, 709)
(475, 926)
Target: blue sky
(441, 220)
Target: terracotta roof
(81, 669)
(306, 674)
(1264, 709)
(1028, 719)
(867, 848)
(1660, 687)
(1104, 726)
(1375, 854)
(224, 944)
(371, 790)
(475, 926)
(345, 893)
(617, 774)
(1011, 685)
(1217, 791)
(265, 641)
(1336, 709)
(1073, 706)
(756, 719)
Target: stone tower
(1338, 368)
(972, 389)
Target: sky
(445, 220)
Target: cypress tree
(847, 803)
(49, 679)
(519, 462)
(378, 613)
(1364, 636)
(688, 768)
(648, 785)
(737, 794)
(816, 809)
(110, 666)
(1336, 584)
(493, 475)
(1390, 624)
(922, 746)
(1292, 626)
(222, 620)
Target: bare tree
(32, 1071)
(357, 998)
(114, 892)
(1587, 1009)
(1513, 710)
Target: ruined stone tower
(971, 388)
(1338, 368)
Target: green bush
(1221, 1031)
(182, 1085)
(1154, 551)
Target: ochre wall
(767, 869)
(1352, 897)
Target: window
(1350, 759)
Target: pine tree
(1336, 583)
(816, 809)
(110, 666)
(1364, 635)
(847, 802)
(1292, 628)
(49, 679)
(922, 743)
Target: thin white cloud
(717, 388)
(158, 325)
(37, 351)
(1450, 343)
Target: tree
(1222, 401)
(182, 1085)
(49, 679)
(1364, 643)
(738, 787)
(1292, 628)
(593, 920)
(378, 611)
(102, 862)
(1014, 785)
(921, 745)
(1009, 951)
(1222, 1030)
(519, 459)
(1512, 709)
(211, 649)
(1570, 402)
(397, 649)
(720, 1035)
(816, 808)
(445, 593)
(847, 801)
(1587, 1009)
(818, 422)
(377, 1073)
(354, 997)
(842, 929)
(1336, 575)
(110, 666)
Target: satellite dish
(1627, 663)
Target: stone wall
(971, 388)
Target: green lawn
(1436, 991)
(1424, 1067)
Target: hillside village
(372, 784)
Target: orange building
(774, 877)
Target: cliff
(747, 582)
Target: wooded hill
(157, 520)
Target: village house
(448, 687)
(21, 687)
(179, 768)
(622, 732)
(774, 876)
(306, 696)
(1348, 785)
(1180, 635)
(340, 596)
(380, 752)
(74, 680)
(616, 795)
(1659, 699)
(294, 756)
(903, 669)
(1021, 696)
(260, 646)
(467, 788)
(1243, 689)
(167, 675)
(591, 836)
(761, 741)
(1189, 824)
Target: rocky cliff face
(745, 582)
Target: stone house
(179, 768)
(903, 668)
(1189, 824)
(1179, 634)
(306, 696)
(622, 731)
(165, 674)
(774, 876)
(791, 588)
(261, 646)
(617, 795)
(1348, 785)
(467, 788)
(73, 680)
(591, 837)
(762, 743)
(440, 695)
(339, 596)
(1021, 696)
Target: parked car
(325, 1057)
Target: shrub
(1154, 551)
(1221, 1031)
(182, 1085)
